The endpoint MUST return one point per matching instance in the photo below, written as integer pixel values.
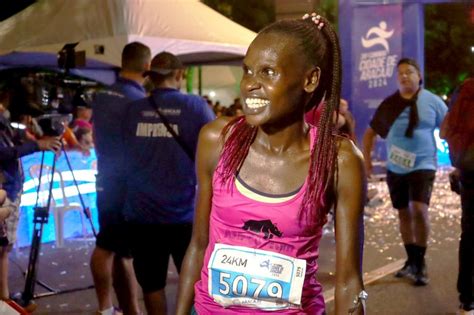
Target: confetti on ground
(445, 207)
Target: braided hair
(321, 49)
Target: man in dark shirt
(112, 251)
(12, 148)
(161, 180)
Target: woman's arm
(368, 142)
(207, 156)
(351, 193)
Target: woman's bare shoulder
(348, 154)
(210, 143)
(212, 131)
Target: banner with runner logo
(377, 47)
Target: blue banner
(377, 47)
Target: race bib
(255, 278)
(401, 158)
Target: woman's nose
(250, 83)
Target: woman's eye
(269, 71)
(247, 71)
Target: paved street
(68, 267)
(384, 254)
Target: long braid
(237, 136)
(319, 197)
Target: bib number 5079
(241, 286)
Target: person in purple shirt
(111, 255)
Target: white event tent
(188, 28)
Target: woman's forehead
(275, 39)
(272, 46)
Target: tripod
(40, 218)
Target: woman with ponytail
(266, 182)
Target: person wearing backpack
(458, 130)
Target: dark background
(449, 33)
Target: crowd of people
(239, 195)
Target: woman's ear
(312, 80)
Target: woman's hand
(49, 144)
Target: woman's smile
(255, 106)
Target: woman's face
(273, 83)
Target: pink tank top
(260, 258)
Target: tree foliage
(253, 14)
(11, 7)
(256, 14)
(449, 35)
(329, 9)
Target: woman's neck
(286, 140)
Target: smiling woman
(267, 180)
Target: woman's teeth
(256, 102)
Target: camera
(53, 125)
(68, 58)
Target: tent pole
(189, 79)
(200, 80)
